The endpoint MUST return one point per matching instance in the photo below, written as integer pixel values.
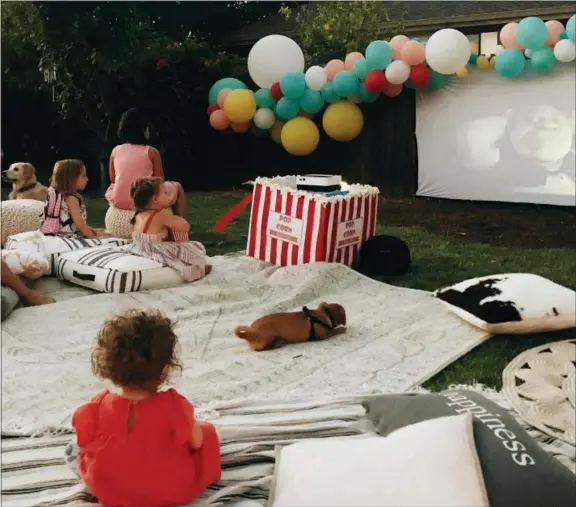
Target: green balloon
(227, 82)
(473, 58)
(542, 60)
(264, 99)
(367, 96)
(328, 93)
(361, 68)
(312, 101)
(437, 80)
(287, 108)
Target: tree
(332, 29)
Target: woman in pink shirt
(135, 159)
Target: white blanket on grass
(397, 338)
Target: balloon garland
(289, 97)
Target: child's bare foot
(208, 269)
(37, 299)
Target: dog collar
(314, 320)
(27, 187)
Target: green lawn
(437, 261)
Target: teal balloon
(563, 35)
(345, 83)
(510, 63)
(378, 54)
(264, 99)
(312, 101)
(257, 131)
(409, 84)
(542, 60)
(361, 68)
(437, 80)
(328, 93)
(287, 108)
(473, 58)
(227, 82)
(367, 96)
(293, 85)
(531, 33)
(571, 29)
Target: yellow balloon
(276, 130)
(300, 136)
(343, 121)
(240, 106)
(462, 72)
(482, 62)
(492, 61)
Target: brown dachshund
(328, 320)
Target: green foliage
(332, 29)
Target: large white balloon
(447, 51)
(397, 72)
(315, 77)
(264, 118)
(565, 51)
(271, 57)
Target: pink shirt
(131, 161)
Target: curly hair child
(141, 447)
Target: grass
(438, 260)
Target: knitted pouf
(118, 222)
(20, 215)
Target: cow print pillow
(517, 303)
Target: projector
(319, 183)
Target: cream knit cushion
(118, 222)
(20, 215)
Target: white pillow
(54, 246)
(25, 263)
(517, 303)
(112, 269)
(428, 464)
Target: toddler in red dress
(142, 447)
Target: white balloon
(528, 53)
(264, 118)
(565, 51)
(447, 51)
(271, 57)
(499, 49)
(315, 77)
(397, 72)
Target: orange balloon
(351, 59)
(219, 120)
(393, 90)
(222, 97)
(555, 29)
(240, 128)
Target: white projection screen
(487, 138)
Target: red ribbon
(232, 213)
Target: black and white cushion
(517, 303)
(54, 246)
(112, 269)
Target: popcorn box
(289, 227)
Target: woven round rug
(540, 385)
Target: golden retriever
(22, 175)
(328, 320)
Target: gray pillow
(517, 471)
(10, 301)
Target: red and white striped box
(289, 227)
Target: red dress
(152, 465)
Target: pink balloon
(219, 120)
(397, 42)
(412, 53)
(351, 59)
(332, 68)
(222, 97)
(508, 36)
(393, 90)
(555, 29)
(240, 128)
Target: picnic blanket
(33, 470)
(397, 338)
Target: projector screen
(489, 138)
